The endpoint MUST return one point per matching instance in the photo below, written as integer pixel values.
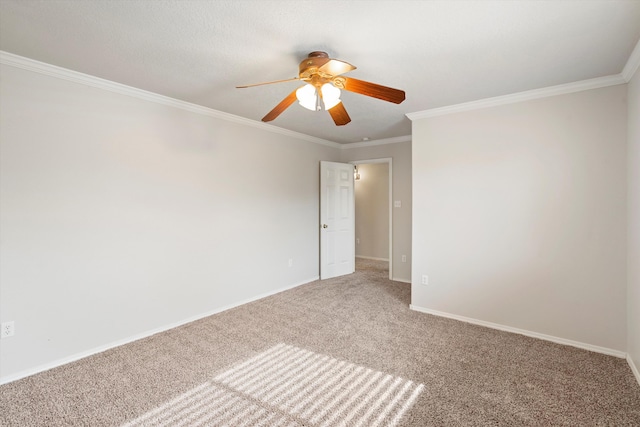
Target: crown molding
(563, 89)
(62, 73)
(28, 64)
(394, 140)
(632, 64)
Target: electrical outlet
(357, 241)
(7, 329)
(290, 262)
(425, 279)
(404, 258)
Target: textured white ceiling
(440, 52)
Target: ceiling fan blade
(268, 83)
(336, 67)
(339, 114)
(278, 109)
(370, 89)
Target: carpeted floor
(345, 351)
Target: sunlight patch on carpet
(290, 386)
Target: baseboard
(395, 279)
(633, 367)
(557, 340)
(100, 349)
(372, 258)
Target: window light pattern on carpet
(290, 386)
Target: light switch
(397, 204)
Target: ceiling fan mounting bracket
(318, 54)
(339, 82)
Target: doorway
(373, 211)
(337, 229)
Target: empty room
(319, 213)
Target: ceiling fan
(323, 77)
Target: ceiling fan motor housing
(310, 65)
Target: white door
(337, 220)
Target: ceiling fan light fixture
(330, 95)
(307, 97)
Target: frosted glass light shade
(330, 95)
(307, 97)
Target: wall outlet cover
(7, 329)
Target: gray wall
(372, 211)
(401, 190)
(633, 242)
(121, 216)
(520, 215)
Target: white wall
(372, 211)
(401, 190)
(633, 242)
(520, 215)
(120, 216)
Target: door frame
(389, 161)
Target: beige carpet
(346, 351)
